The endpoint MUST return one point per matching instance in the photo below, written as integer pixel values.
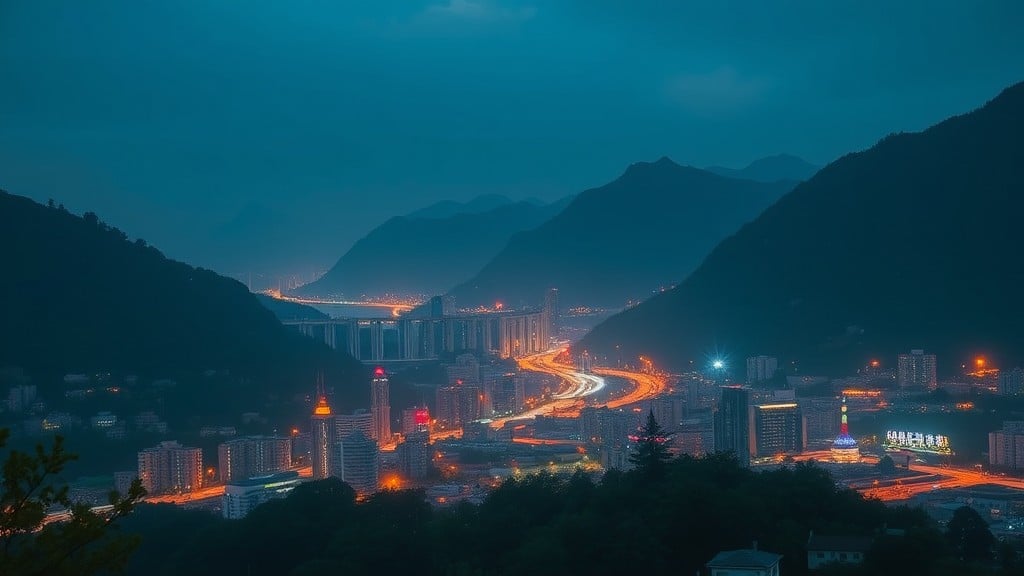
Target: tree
(30, 545)
(886, 465)
(651, 454)
(969, 535)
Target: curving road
(576, 386)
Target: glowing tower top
(844, 447)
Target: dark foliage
(969, 535)
(904, 245)
(651, 454)
(427, 255)
(647, 229)
(83, 544)
(628, 523)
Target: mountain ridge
(871, 256)
(771, 169)
(632, 236)
(425, 256)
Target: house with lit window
(823, 550)
(747, 562)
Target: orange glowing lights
(322, 407)
(875, 364)
(391, 482)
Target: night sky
(241, 135)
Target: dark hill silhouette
(914, 243)
(79, 296)
(645, 230)
(427, 255)
(771, 169)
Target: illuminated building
(508, 394)
(414, 455)
(241, 496)
(171, 468)
(916, 370)
(844, 447)
(458, 405)
(732, 423)
(611, 436)
(323, 436)
(253, 456)
(1011, 383)
(1006, 446)
(822, 417)
(761, 368)
(360, 463)
(346, 424)
(415, 419)
(696, 434)
(551, 307)
(380, 406)
(448, 415)
(778, 429)
(466, 369)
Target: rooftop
(744, 559)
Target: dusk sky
(197, 125)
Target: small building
(823, 550)
(242, 496)
(747, 562)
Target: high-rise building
(171, 468)
(696, 434)
(21, 398)
(916, 370)
(732, 423)
(346, 424)
(241, 496)
(778, 429)
(253, 456)
(508, 394)
(448, 403)
(323, 435)
(414, 455)
(380, 406)
(1011, 382)
(360, 463)
(554, 314)
(821, 420)
(761, 368)
(466, 369)
(1006, 446)
(415, 419)
(616, 428)
(668, 411)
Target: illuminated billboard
(918, 442)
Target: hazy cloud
(481, 11)
(722, 90)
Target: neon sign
(918, 442)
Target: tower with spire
(844, 447)
(322, 432)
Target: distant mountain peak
(770, 169)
